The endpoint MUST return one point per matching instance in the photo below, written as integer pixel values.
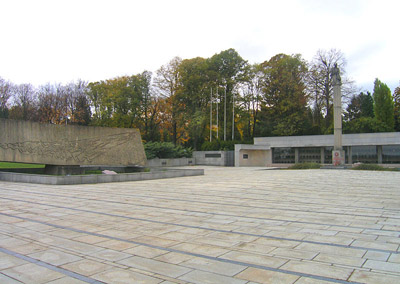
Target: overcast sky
(65, 40)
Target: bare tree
(320, 85)
(166, 82)
(51, 104)
(24, 102)
(60, 104)
(5, 95)
(77, 103)
(81, 113)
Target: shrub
(166, 150)
(305, 166)
(372, 167)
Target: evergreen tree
(361, 105)
(383, 104)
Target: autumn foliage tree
(221, 98)
(284, 107)
(122, 101)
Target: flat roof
(360, 139)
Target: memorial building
(376, 148)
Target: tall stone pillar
(338, 154)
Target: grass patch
(305, 166)
(373, 167)
(8, 165)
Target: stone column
(350, 154)
(338, 155)
(379, 153)
(322, 155)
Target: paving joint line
(205, 202)
(247, 198)
(195, 211)
(51, 267)
(209, 229)
(205, 228)
(323, 278)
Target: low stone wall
(204, 158)
(214, 158)
(179, 162)
(89, 179)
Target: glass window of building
(328, 155)
(391, 154)
(364, 154)
(310, 155)
(283, 155)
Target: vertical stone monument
(338, 154)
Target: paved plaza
(232, 225)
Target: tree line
(200, 101)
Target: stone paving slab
(232, 225)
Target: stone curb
(90, 179)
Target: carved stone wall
(32, 142)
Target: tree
(396, 98)
(166, 82)
(97, 93)
(82, 113)
(361, 105)
(192, 98)
(52, 107)
(122, 101)
(315, 90)
(227, 70)
(24, 102)
(383, 104)
(250, 100)
(284, 108)
(78, 108)
(365, 125)
(320, 85)
(5, 95)
(141, 85)
(61, 104)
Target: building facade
(376, 148)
